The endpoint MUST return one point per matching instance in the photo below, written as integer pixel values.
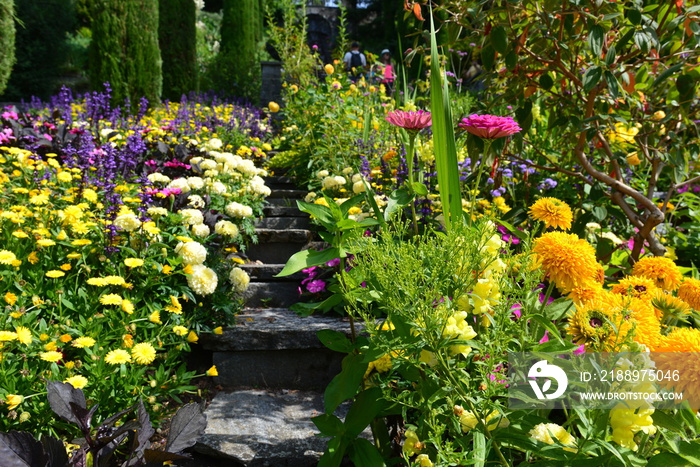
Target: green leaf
(329, 425)
(558, 308)
(643, 40)
(397, 200)
(548, 325)
(596, 36)
(667, 459)
(349, 203)
(334, 453)
(479, 450)
(335, 340)
(546, 81)
(308, 258)
(345, 384)
(488, 57)
(690, 451)
(635, 16)
(320, 212)
(610, 55)
(665, 74)
(613, 85)
(591, 77)
(663, 419)
(499, 39)
(419, 188)
(368, 404)
(362, 452)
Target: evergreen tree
(7, 41)
(124, 49)
(177, 35)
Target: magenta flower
(490, 126)
(413, 120)
(316, 286)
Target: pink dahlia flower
(489, 126)
(412, 120)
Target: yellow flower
(155, 317)
(143, 353)
(469, 421)
(329, 69)
(167, 269)
(114, 280)
(20, 234)
(51, 356)
(635, 286)
(212, 371)
(412, 445)
(424, 461)
(66, 267)
(568, 260)
(55, 273)
(50, 346)
(218, 330)
(274, 107)
(13, 400)
(548, 432)
(83, 341)
(65, 338)
(175, 306)
(128, 341)
(81, 242)
(633, 159)
(133, 262)
(600, 324)
(192, 337)
(553, 212)
(180, 330)
(7, 336)
(97, 281)
(111, 299)
(662, 271)
(33, 257)
(689, 291)
(626, 422)
(127, 306)
(69, 365)
(77, 381)
(10, 298)
(45, 242)
(24, 335)
(188, 269)
(117, 357)
(7, 257)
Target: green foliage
(41, 47)
(124, 49)
(7, 41)
(236, 69)
(177, 37)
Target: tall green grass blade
(444, 138)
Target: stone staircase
(272, 367)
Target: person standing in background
(355, 62)
(386, 72)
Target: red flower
(413, 120)
(490, 126)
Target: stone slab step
(262, 428)
(283, 211)
(261, 272)
(276, 246)
(280, 182)
(271, 294)
(281, 223)
(288, 194)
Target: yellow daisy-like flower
(45, 242)
(97, 281)
(20, 234)
(143, 353)
(180, 330)
(51, 356)
(128, 341)
(686, 340)
(33, 257)
(646, 326)
(689, 292)
(568, 260)
(66, 267)
(65, 338)
(77, 381)
(7, 336)
(212, 371)
(662, 271)
(55, 274)
(668, 306)
(585, 293)
(13, 400)
(7, 257)
(635, 286)
(167, 269)
(81, 242)
(192, 337)
(24, 335)
(218, 330)
(155, 317)
(175, 306)
(111, 299)
(10, 298)
(553, 212)
(133, 262)
(114, 280)
(600, 324)
(117, 357)
(83, 341)
(548, 432)
(127, 306)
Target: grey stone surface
(271, 294)
(289, 193)
(302, 236)
(298, 222)
(282, 211)
(264, 428)
(262, 272)
(274, 329)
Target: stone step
(281, 223)
(260, 272)
(283, 211)
(275, 348)
(276, 246)
(271, 294)
(288, 194)
(276, 182)
(263, 428)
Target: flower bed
(121, 235)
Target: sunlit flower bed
(120, 236)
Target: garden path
(272, 367)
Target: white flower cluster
(128, 221)
(239, 279)
(235, 209)
(203, 280)
(193, 253)
(226, 228)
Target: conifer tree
(241, 30)
(177, 35)
(7, 41)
